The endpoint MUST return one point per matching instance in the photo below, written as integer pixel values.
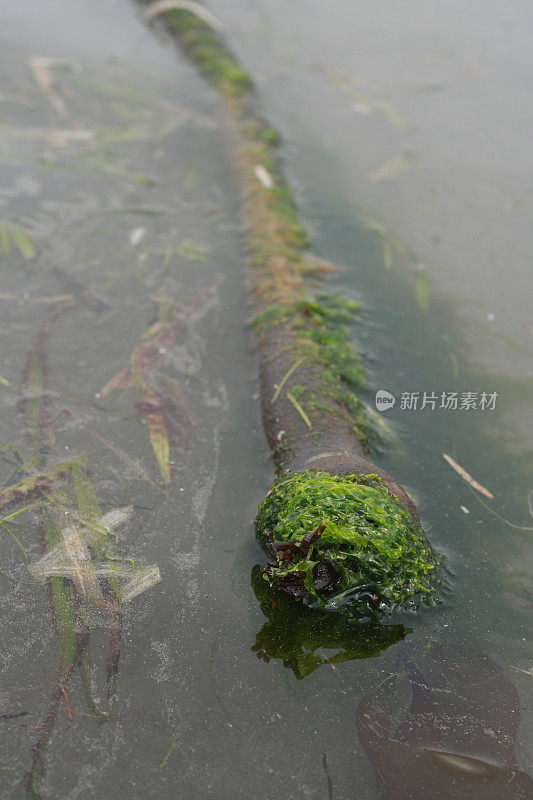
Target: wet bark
(331, 444)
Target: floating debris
(57, 298)
(263, 176)
(193, 251)
(394, 166)
(41, 68)
(467, 477)
(73, 557)
(363, 102)
(525, 671)
(151, 409)
(136, 236)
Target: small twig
(63, 692)
(65, 698)
(467, 477)
(7, 717)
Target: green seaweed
(34, 402)
(366, 555)
(323, 327)
(209, 52)
(265, 133)
(14, 238)
(63, 601)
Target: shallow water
(119, 173)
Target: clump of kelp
(344, 542)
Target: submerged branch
(320, 415)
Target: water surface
(118, 175)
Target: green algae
(13, 238)
(345, 542)
(208, 51)
(323, 326)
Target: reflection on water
(304, 639)
(445, 726)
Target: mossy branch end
(344, 542)
(342, 532)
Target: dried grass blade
(82, 569)
(286, 377)
(40, 67)
(143, 578)
(38, 480)
(118, 381)
(23, 243)
(86, 496)
(154, 417)
(299, 409)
